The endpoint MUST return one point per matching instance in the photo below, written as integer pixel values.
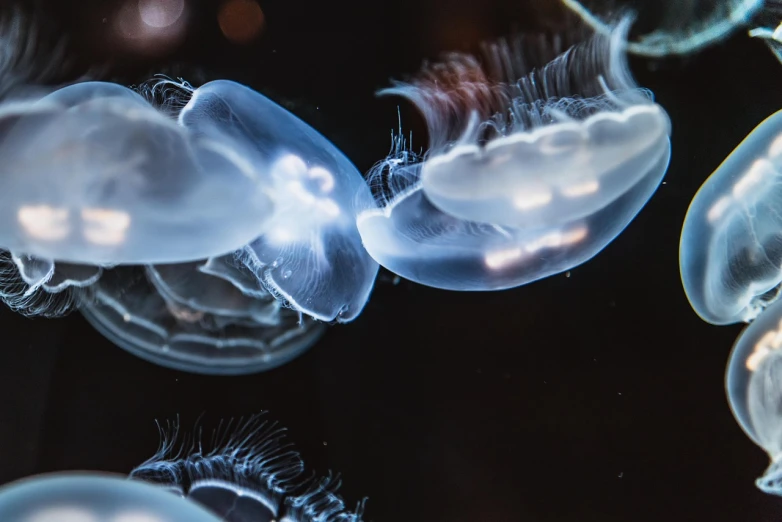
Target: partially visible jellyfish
(684, 27)
(94, 497)
(249, 473)
(310, 253)
(753, 382)
(209, 317)
(768, 27)
(730, 253)
(94, 174)
(529, 173)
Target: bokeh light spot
(241, 21)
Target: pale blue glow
(522, 180)
(730, 251)
(752, 382)
(94, 497)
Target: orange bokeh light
(241, 21)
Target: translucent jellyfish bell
(684, 27)
(730, 251)
(753, 382)
(94, 497)
(310, 252)
(208, 317)
(94, 174)
(525, 177)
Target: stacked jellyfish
(248, 472)
(210, 230)
(529, 172)
(209, 242)
(730, 257)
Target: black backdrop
(594, 397)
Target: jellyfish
(94, 174)
(248, 472)
(525, 177)
(730, 252)
(310, 252)
(685, 26)
(94, 497)
(209, 317)
(753, 382)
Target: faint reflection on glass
(730, 251)
(753, 382)
(685, 26)
(524, 178)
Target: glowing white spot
(502, 258)
(44, 222)
(532, 200)
(770, 341)
(582, 189)
(105, 226)
(62, 514)
(752, 177)
(160, 13)
(775, 149)
(717, 209)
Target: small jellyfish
(684, 26)
(526, 176)
(94, 497)
(730, 252)
(309, 253)
(94, 174)
(207, 317)
(248, 473)
(753, 382)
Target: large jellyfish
(684, 26)
(525, 177)
(197, 241)
(754, 386)
(310, 252)
(249, 473)
(730, 253)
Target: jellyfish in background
(684, 27)
(730, 251)
(250, 473)
(753, 382)
(524, 178)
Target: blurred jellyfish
(730, 253)
(753, 382)
(310, 252)
(94, 497)
(684, 26)
(524, 178)
(93, 174)
(768, 27)
(208, 317)
(248, 473)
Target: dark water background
(594, 397)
